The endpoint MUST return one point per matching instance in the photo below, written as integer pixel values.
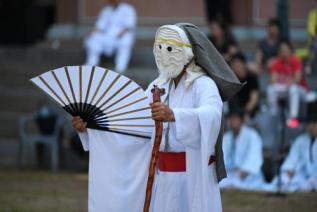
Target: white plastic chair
(30, 139)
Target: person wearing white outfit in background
(299, 170)
(114, 34)
(242, 149)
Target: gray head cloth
(208, 58)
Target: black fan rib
(91, 119)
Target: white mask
(172, 51)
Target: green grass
(238, 201)
(40, 191)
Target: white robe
(118, 171)
(243, 153)
(198, 111)
(302, 159)
(111, 22)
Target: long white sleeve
(207, 113)
(131, 17)
(84, 138)
(294, 156)
(103, 19)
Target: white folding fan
(104, 99)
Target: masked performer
(196, 80)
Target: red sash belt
(172, 161)
(175, 161)
(211, 159)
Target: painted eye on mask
(160, 46)
(169, 48)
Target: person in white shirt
(242, 149)
(114, 34)
(299, 170)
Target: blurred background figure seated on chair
(41, 133)
(223, 39)
(242, 149)
(114, 34)
(287, 81)
(267, 48)
(248, 97)
(299, 170)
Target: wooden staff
(157, 92)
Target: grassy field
(39, 191)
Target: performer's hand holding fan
(104, 99)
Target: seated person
(267, 48)
(242, 149)
(287, 81)
(248, 97)
(113, 34)
(299, 170)
(223, 39)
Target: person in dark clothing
(248, 97)
(223, 39)
(219, 10)
(267, 47)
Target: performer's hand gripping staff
(157, 92)
(79, 124)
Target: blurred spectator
(267, 48)
(312, 42)
(287, 82)
(299, 170)
(46, 117)
(223, 39)
(248, 97)
(113, 35)
(242, 148)
(47, 140)
(312, 23)
(219, 10)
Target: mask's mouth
(165, 63)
